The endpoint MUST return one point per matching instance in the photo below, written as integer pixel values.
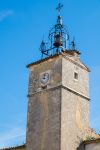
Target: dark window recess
(44, 87)
(76, 75)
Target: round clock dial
(44, 78)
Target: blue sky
(22, 26)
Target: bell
(58, 41)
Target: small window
(75, 75)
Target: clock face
(44, 78)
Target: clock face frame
(44, 78)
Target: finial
(43, 48)
(73, 44)
(59, 7)
(59, 20)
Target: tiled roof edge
(91, 141)
(16, 147)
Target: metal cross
(59, 7)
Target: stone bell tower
(58, 96)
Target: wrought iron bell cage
(58, 36)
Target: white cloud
(5, 14)
(12, 137)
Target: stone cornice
(60, 86)
(64, 54)
(83, 66)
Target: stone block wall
(44, 121)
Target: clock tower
(58, 95)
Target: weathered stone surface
(53, 66)
(44, 108)
(44, 121)
(92, 146)
(68, 70)
(58, 113)
(74, 120)
(74, 107)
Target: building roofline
(14, 148)
(71, 52)
(52, 56)
(42, 60)
(92, 141)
